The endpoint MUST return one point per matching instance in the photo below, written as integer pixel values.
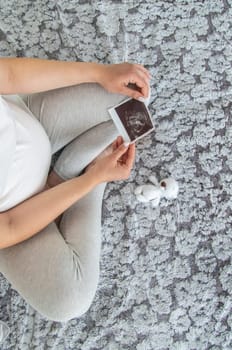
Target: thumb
(118, 153)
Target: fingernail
(126, 144)
(141, 99)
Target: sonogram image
(135, 118)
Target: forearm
(35, 213)
(30, 75)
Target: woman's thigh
(66, 113)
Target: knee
(64, 311)
(69, 304)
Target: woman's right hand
(117, 78)
(114, 166)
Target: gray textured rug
(166, 275)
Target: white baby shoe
(167, 188)
(170, 188)
(146, 193)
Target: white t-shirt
(25, 152)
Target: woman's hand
(125, 78)
(114, 166)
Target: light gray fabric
(4, 331)
(68, 112)
(80, 113)
(71, 161)
(165, 281)
(57, 270)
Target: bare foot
(54, 179)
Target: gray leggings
(57, 270)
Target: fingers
(143, 69)
(136, 94)
(126, 155)
(115, 144)
(120, 151)
(144, 75)
(130, 155)
(119, 140)
(126, 78)
(137, 85)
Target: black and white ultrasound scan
(132, 119)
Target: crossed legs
(56, 271)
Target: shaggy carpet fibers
(166, 275)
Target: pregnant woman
(50, 217)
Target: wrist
(91, 177)
(98, 70)
(86, 72)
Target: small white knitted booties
(167, 188)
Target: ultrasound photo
(135, 118)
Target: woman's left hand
(126, 79)
(115, 166)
